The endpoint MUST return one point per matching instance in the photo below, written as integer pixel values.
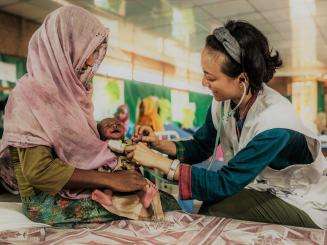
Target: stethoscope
(223, 119)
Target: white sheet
(11, 217)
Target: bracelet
(172, 169)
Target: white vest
(303, 186)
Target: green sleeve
(202, 145)
(44, 171)
(260, 152)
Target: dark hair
(257, 60)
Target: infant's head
(111, 129)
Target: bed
(178, 228)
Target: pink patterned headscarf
(52, 104)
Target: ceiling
(296, 28)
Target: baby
(112, 130)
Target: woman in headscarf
(149, 114)
(49, 126)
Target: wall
(280, 84)
(15, 33)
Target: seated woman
(49, 126)
(274, 170)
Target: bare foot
(104, 197)
(147, 196)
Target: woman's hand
(145, 134)
(127, 181)
(120, 181)
(144, 156)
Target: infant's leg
(147, 196)
(103, 197)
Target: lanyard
(221, 119)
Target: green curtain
(202, 103)
(136, 91)
(20, 64)
(20, 71)
(321, 97)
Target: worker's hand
(141, 154)
(145, 134)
